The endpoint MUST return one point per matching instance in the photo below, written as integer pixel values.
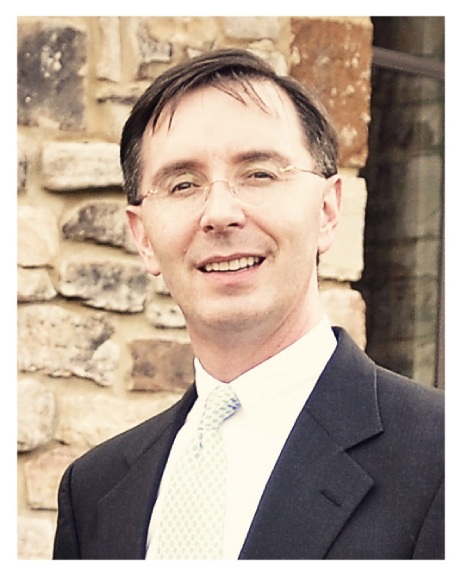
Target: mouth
(233, 265)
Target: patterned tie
(192, 523)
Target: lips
(231, 265)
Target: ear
(330, 212)
(141, 239)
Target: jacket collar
(316, 485)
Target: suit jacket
(360, 476)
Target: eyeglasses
(252, 183)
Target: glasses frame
(290, 168)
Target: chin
(239, 319)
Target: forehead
(255, 96)
(212, 119)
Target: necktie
(192, 523)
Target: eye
(185, 186)
(182, 184)
(261, 175)
(258, 176)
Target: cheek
(305, 249)
(300, 232)
(171, 242)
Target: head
(232, 71)
(232, 188)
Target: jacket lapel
(130, 502)
(316, 485)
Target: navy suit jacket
(360, 476)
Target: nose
(222, 209)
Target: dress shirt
(272, 395)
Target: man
(233, 194)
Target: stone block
(333, 57)
(109, 63)
(409, 88)
(34, 285)
(402, 130)
(251, 27)
(115, 102)
(102, 222)
(124, 94)
(43, 475)
(52, 67)
(35, 537)
(426, 309)
(160, 286)
(424, 196)
(165, 314)
(38, 236)
(116, 284)
(87, 420)
(62, 343)
(344, 260)
(346, 308)
(425, 354)
(394, 261)
(28, 165)
(407, 202)
(23, 165)
(195, 33)
(266, 51)
(36, 414)
(419, 129)
(161, 364)
(70, 166)
(151, 51)
(407, 308)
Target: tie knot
(220, 404)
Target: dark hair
(230, 70)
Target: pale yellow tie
(192, 521)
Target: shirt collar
(293, 369)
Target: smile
(233, 265)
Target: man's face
(231, 265)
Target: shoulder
(406, 408)
(115, 455)
(391, 387)
(417, 410)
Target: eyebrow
(258, 155)
(177, 166)
(185, 165)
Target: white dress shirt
(272, 395)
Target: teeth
(233, 265)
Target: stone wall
(101, 346)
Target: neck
(229, 354)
